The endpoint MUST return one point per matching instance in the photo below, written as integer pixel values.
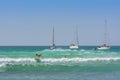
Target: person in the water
(38, 57)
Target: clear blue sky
(30, 22)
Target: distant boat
(105, 46)
(53, 42)
(76, 44)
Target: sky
(30, 22)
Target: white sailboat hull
(103, 48)
(52, 47)
(74, 47)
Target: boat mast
(105, 34)
(77, 39)
(53, 37)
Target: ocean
(62, 63)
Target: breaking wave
(46, 64)
(52, 60)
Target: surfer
(38, 57)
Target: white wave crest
(78, 59)
(59, 49)
(16, 59)
(2, 60)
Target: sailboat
(105, 46)
(76, 44)
(53, 42)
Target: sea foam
(58, 59)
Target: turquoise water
(18, 63)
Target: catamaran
(105, 46)
(76, 44)
(53, 42)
